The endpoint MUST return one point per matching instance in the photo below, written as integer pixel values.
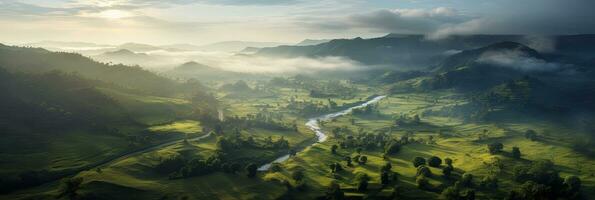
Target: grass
(183, 126)
(461, 144)
(150, 110)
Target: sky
(287, 21)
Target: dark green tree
(434, 161)
(334, 149)
(417, 161)
(516, 152)
(69, 187)
(251, 170)
(495, 147)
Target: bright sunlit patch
(114, 14)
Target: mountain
(401, 50)
(308, 42)
(474, 56)
(194, 70)
(487, 66)
(236, 46)
(37, 60)
(250, 50)
(181, 47)
(127, 57)
(61, 44)
(137, 47)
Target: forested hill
(37, 60)
(421, 52)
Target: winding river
(313, 125)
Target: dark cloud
(535, 17)
(396, 21)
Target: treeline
(55, 101)
(183, 165)
(316, 88)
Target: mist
(258, 64)
(518, 60)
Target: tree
(251, 170)
(531, 135)
(516, 152)
(69, 187)
(363, 160)
(416, 119)
(489, 182)
(336, 167)
(362, 181)
(470, 195)
(422, 182)
(447, 171)
(495, 147)
(467, 180)
(386, 167)
(534, 191)
(297, 174)
(275, 167)
(434, 161)
(384, 179)
(572, 186)
(334, 192)
(448, 161)
(334, 149)
(451, 193)
(422, 170)
(348, 160)
(417, 161)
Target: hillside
(201, 72)
(37, 60)
(417, 51)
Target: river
(313, 125)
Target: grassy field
(461, 143)
(150, 110)
(451, 137)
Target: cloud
(395, 20)
(261, 64)
(518, 60)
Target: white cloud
(517, 60)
